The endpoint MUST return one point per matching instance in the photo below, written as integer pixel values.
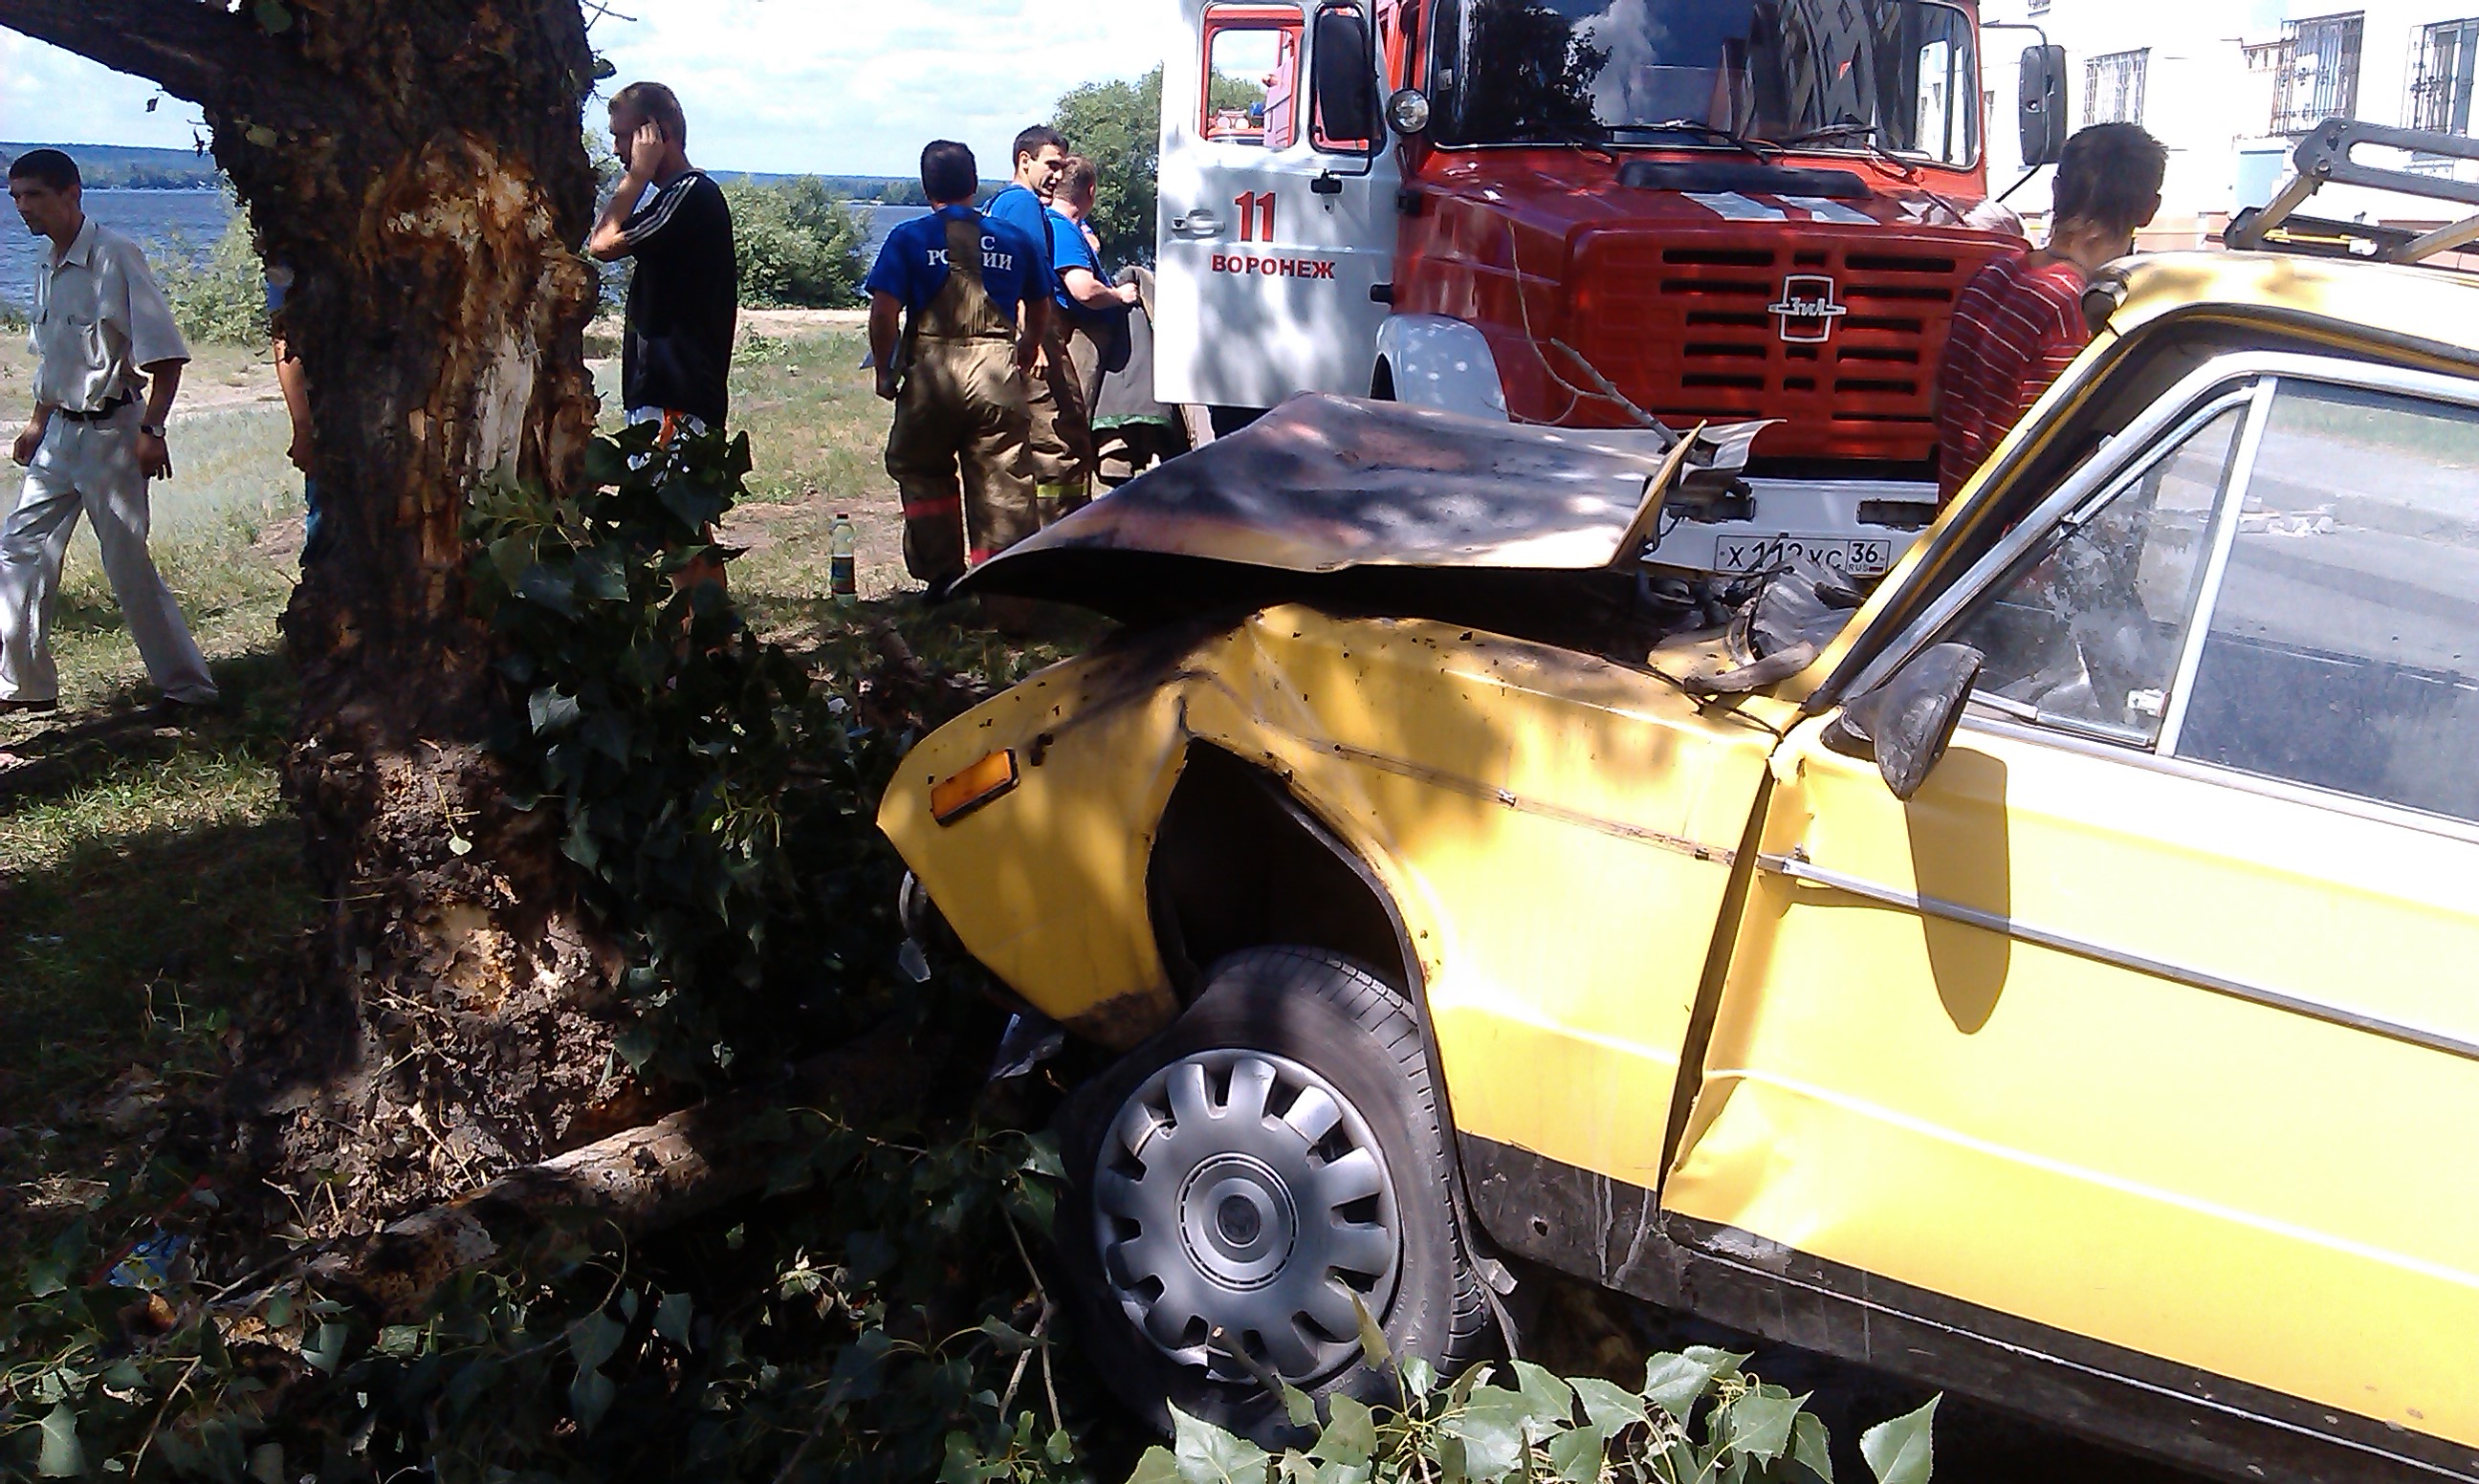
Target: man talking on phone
(684, 299)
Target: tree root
(641, 1180)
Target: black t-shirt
(683, 302)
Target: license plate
(1862, 557)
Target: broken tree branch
(218, 58)
(642, 1180)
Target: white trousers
(90, 467)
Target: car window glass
(1252, 77)
(2343, 645)
(2085, 631)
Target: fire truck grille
(1840, 343)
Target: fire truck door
(1275, 223)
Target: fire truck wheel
(1243, 1178)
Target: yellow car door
(2145, 1038)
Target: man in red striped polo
(2020, 323)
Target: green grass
(151, 880)
(810, 415)
(154, 884)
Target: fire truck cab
(1591, 212)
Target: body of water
(883, 219)
(168, 224)
(184, 225)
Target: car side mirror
(2043, 111)
(1907, 724)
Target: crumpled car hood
(1328, 496)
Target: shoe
(942, 589)
(175, 712)
(28, 707)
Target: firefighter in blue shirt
(1062, 432)
(952, 350)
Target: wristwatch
(151, 429)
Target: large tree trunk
(419, 165)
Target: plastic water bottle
(843, 580)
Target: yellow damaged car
(2052, 976)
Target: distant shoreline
(145, 167)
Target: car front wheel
(1250, 1180)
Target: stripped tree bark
(419, 165)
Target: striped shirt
(683, 302)
(2016, 329)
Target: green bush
(223, 297)
(800, 248)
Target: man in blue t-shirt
(1063, 433)
(957, 302)
(1039, 156)
(1095, 309)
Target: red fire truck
(1583, 212)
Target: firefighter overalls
(1063, 422)
(961, 412)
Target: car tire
(1182, 1218)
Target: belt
(100, 413)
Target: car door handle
(1200, 222)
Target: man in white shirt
(103, 336)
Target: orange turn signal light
(988, 779)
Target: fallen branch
(642, 1180)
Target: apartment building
(2230, 84)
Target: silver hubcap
(1240, 1191)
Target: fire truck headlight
(1408, 111)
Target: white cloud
(852, 86)
(831, 85)
(52, 96)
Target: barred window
(2319, 72)
(2114, 86)
(2440, 76)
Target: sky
(837, 87)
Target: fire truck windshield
(1898, 75)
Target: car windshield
(1891, 74)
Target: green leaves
(1350, 1435)
(1700, 1420)
(672, 1318)
(1202, 1453)
(1760, 1423)
(325, 1350)
(1372, 1339)
(62, 1456)
(1609, 1407)
(1491, 1427)
(1810, 1448)
(1902, 1451)
(1298, 1406)
(594, 1339)
(589, 1396)
(662, 731)
(1675, 1383)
